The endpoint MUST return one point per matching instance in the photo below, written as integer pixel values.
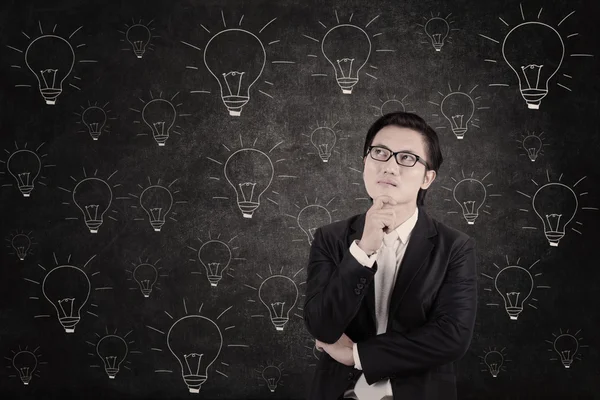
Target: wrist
(368, 251)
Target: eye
(380, 152)
(407, 157)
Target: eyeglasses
(403, 158)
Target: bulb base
(157, 225)
(69, 323)
(279, 323)
(214, 280)
(194, 382)
(513, 312)
(26, 190)
(50, 95)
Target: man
(391, 294)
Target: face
(406, 181)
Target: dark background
(296, 102)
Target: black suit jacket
(431, 316)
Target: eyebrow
(384, 146)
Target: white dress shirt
(403, 232)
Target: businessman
(391, 294)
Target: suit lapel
(418, 249)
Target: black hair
(418, 124)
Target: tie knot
(390, 238)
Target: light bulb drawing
(324, 139)
(196, 342)
(113, 350)
(20, 243)
(279, 295)
(437, 30)
(515, 284)
(459, 109)
(311, 217)
(93, 197)
(390, 105)
(25, 166)
(348, 60)
(95, 119)
(26, 363)
(215, 256)
(139, 36)
(160, 116)
(535, 52)
(157, 200)
(51, 59)
(533, 145)
(494, 361)
(236, 59)
(195, 358)
(535, 66)
(146, 276)
(250, 173)
(348, 49)
(567, 346)
(271, 376)
(556, 205)
(471, 195)
(67, 288)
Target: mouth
(386, 184)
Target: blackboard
(124, 193)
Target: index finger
(379, 202)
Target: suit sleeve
(333, 292)
(444, 338)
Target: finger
(385, 220)
(380, 201)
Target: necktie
(386, 267)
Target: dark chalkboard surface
(165, 164)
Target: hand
(344, 340)
(341, 351)
(380, 219)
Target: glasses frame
(393, 154)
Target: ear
(428, 179)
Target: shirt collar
(405, 228)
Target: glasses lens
(406, 159)
(380, 153)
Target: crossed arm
(445, 337)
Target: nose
(391, 166)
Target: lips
(387, 183)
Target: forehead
(400, 139)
